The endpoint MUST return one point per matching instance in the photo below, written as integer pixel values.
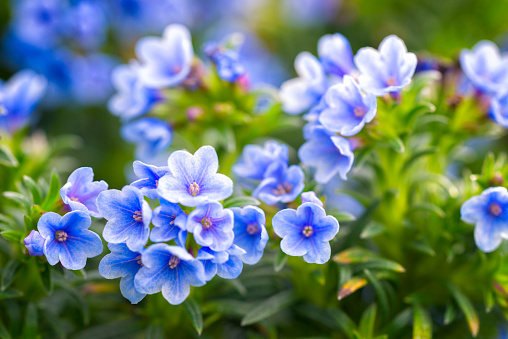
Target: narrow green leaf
(18, 198)
(343, 216)
(10, 293)
(490, 300)
(422, 324)
(381, 294)
(8, 274)
(372, 230)
(467, 308)
(13, 236)
(34, 189)
(382, 264)
(280, 261)
(47, 280)
(269, 307)
(4, 333)
(195, 315)
(241, 201)
(429, 208)
(53, 194)
(7, 158)
(343, 321)
(423, 247)
(399, 322)
(396, 144)
(416, 156)
(30, 326)
(367, 322)
(154, 332)
(450, 314)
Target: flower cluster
(67, 239)
(189, 191)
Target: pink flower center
(359, 112)
(252, 229)
(194, 189)
(281, 189)
(173, 262)
(391, 82)
(206, 222)
(138, 216)
(307, 231)
(495, 209)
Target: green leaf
(396, 144)
(399, 322)
(428, 207)
(372, 230)
(416, 156)
(450, 314)
(241, 201)
(195, 315)
(280, 261)
(7, 158)
(343, 321)
(367, 322)
(467, 308)
(53, 193)
(422, 324)
(34, 189)
(30, 326)
(13, 236)
(47, 280)
(382, 264)
(10, 293)
(154, 332)
(381, 294)
(8, 273)
(18, 198)
(343, 216)
(269, 307)
(4, 334)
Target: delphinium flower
(133, 98)
(486, 67)
(306, 232)
(169, 220)
(193, 179)
(348, 108)
(336, 55)
(280, 184)
(68, 240)
(34, 243)
(489, 213)
(151, 136)
(19, 96)
(128, 216)
(123, 263)
(212, 226)
(328, 153)
(250, 232)
(81, 192)
(149, 177)
(387, 70)
(170, 269)
(229, 67)
(165, 61)
(226, 264)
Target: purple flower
(489, 213)
(281, 184)
(486, 67)
(193, 179)
(388, 70)
(151, 136)
(149, 177)
(34, 243)
(250, 232)
(169, 220)
(256, 159)
(336, 55)
(212, 226)
(68, 240)
(81, 192)
(329, 154)
(306, 232)
(311, 197)
(226, 264)
(133, 98)
(170, 269)
(348, 108)
(300, 94)
(166, 61)
(128, 216)
(123, 263)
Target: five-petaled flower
(489, 213)
(256, 159)
(81, 192)
(169, 220)
(151, 136)
(281, 184)
(306, 232)
(226, 264)
(149, 177)
(68, 239)
(193, 179)
(250, 232)
(170, 269)
(128, 216)
(123, 263)
(336, 55)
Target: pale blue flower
(250, 232)
(499, 110)
(280, 184)
(151, 136)
(311, 197)
(256, 159)
(336, 55)
(226, 264)
(34, 243)
(149, 177)
(169, 220)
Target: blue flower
(499, 110)
(329, 154)
(123, 263)
(68, 239)
(166, 61)
(388, 70)
(489, 213)
(87, 24)
(256, 159)
(485, 67)
(170, 269)
(169, 220)
(19, 97)
(306, 232)
(348, 108)
(336, 55)
(212, 226)
(300, 94)
(151, 136)
(149, 177)
(128, 216)
(281, 184)
(133, 98)
(250, 232)
(81, 192)
(193, 179)
(34, 243)
(225, 264)
(311, 197)
(229, 68)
